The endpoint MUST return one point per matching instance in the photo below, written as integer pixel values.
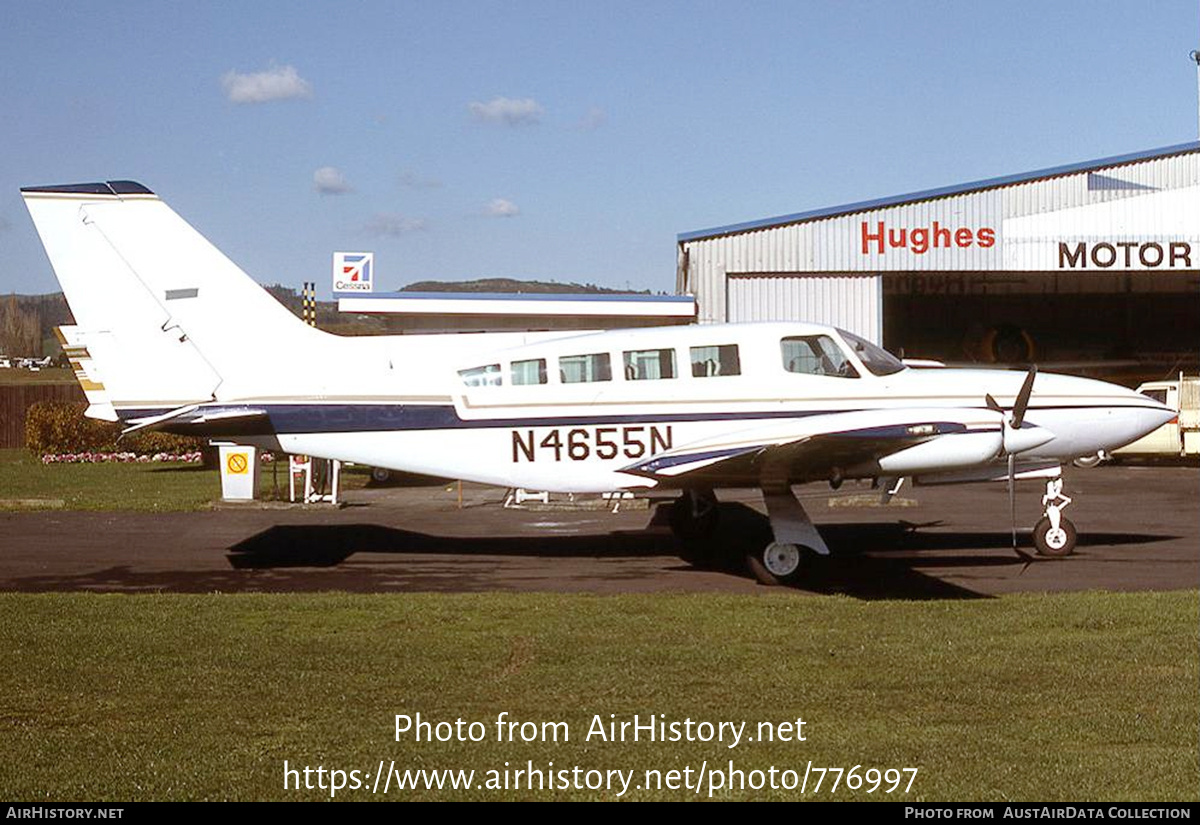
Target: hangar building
(1091, 262)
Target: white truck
(1179, 437)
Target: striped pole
(308, 297)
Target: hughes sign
(878, 237)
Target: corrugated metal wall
(836, 245)
(848, 301)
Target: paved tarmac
(1139, 529)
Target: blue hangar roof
(945, 191)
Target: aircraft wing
(828, 445)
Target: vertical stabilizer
(170, 320)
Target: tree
(20, 329)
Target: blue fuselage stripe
(355, 418)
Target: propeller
(1010, 425)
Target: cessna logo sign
(1127, 255)
(353, 271)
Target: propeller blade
(1012, 512)
(1018, 413)
(1013, 421)
(1012, 499)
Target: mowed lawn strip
(107, 486)
(1056, 697)
(149, 486)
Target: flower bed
(131, 458)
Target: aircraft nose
(1139, 415)
(1094, 415)
(1155, 417)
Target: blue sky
(558, 140)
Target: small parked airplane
(170, 334)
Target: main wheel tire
(1055, 543)
(1088, 461)
(380, 475)
(778, 563)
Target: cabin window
(532, 371)
(712, 361)
(816, 355)
(486, 376)
(649, 364)
(579, 369)
(1158, 395)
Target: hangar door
(852, 302)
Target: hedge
(53, 427)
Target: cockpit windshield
(878, 360)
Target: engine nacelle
(947, 452)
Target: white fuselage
(448, 405)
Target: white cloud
(501, 208)
(524, 112)
(593, 120)
(414, 181)
(276, 83)
(329, 180)
(391, 225)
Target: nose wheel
(1054, 534)
(1051, 540)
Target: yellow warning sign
(236, 464)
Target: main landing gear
(795, 541)
(1054, 534)
(694, 515)
(693, 518)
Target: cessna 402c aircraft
(172, 335)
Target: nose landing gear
(1054, 534)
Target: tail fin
(169, 319)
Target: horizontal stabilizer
(73, 341)
(194, 416)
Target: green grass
(150, 486)
(1036, 697)
(161, 486)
